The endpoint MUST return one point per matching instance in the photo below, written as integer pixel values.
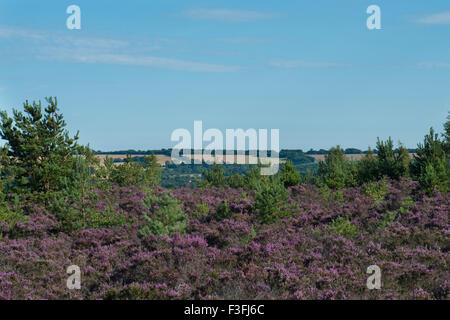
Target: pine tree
(446, 135)
(392, 163)
(368, 168)
(336, 172)
(39, 149)
(289, 176)
(214, 177)
(430, 165)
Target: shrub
(253, 179)
(271, 202)
(376, 190)
(289, 176)
(406, 205)
(343, 226)
(331, 195)
(235, 181)
(336, 172)
(390, 216)
(8, 216)
(214, 177)
(446, 136)
(431, 166)
(131, 173)
(392, 163)
(367, 168)
(387, 219)
(84, 214)
(166, 216)
(223, 211)
(201, 210)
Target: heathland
(309, 232)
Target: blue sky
(137, 70)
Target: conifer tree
(336, 172)
(39, 149)
(431, 165)
(289, 176)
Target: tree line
(41, 160)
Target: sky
(137, 70)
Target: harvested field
(321, 157)
(160, 157)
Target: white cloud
(151, 61)
(227, 15)
(39, 36)
(437, 18)
(244, 40)
(291, 64)
(14, 33)
(59, 47)
(435, 64)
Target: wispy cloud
(437, 18)
(434, 65)
(41, 37)
(134, 60)
(291, 64)
(228, 15)
(244, 40)
(67, 48)
(14, 33)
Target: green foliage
(223, 211)
(253, 179)
(446, 136)
(376, 190)
(367, 168)
(406, 205)
(201, 210)
(166, 216)
(235, 181)
(214, 177)
(132, 173)
(431, 166)
(81, 179)
(387, 163)
(343, 226)
(388, 218)
(271, 201)
(336, 172)
(289, 176)
(81, 215)
(431, 178)
(9, 216)
(330, 194)
(391, 163)
(309, 177)
(249, 238)
(39, 149)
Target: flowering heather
(320, 250)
